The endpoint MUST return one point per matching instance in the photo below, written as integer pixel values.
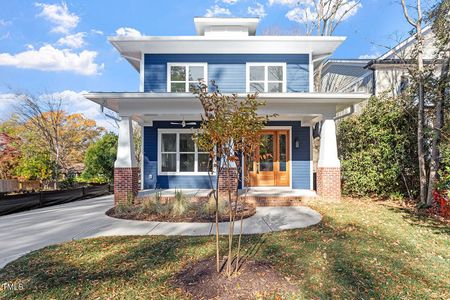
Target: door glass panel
(283, 152)
(266, 153)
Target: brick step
(276, 200)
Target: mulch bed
(245, 213)
(254, 279)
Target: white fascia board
(132, 103)
(212, 44)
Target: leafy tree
(62, 136)
(100, 158)
(230, 129)
(377, 149)
(9, 148)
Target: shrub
(378, 150)
(181, 204)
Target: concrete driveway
(23, 232)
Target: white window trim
(266, 75)
(187, 65)
(177, 131)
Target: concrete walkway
(23, 232)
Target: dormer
(226, 27)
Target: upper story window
(266, 77)
(183, 77)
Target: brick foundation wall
(228, 178)
(126, 184)
(329, 183)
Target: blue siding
(300, 159)
(228, 70)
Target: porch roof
(150, 105)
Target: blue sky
(62, 47)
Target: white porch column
(329, 166)
(328, 154)
(126, 170)
(125, 147)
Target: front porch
(170, 159)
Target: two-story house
(228, 51)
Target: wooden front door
(270, 165)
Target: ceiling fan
(183, 123)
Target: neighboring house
(385, 74)
(228, 51)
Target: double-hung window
(266, 77)
(179, 155)
(184, 77)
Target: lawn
(363, 249)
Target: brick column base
(329, 183)
(126, 184)
(228, 178)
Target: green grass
(362, 249)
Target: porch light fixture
(297, 143)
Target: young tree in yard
(230, 127)
(430, 90)
(439, 16)
(418, 75)
(100, 158)
(63, 136)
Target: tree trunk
(216, 196)
(421, 116)
(437, 128)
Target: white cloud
(4, 23)
(369, 56)
(128, 32)
(286, 2)
(306, 11)
(48, 58)
(74, 102)
(7, 101)
(216, 10)
(301, 15)
(59, 15)
(231, 2)
(258, 10)
(73, 40)
(95, 31)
